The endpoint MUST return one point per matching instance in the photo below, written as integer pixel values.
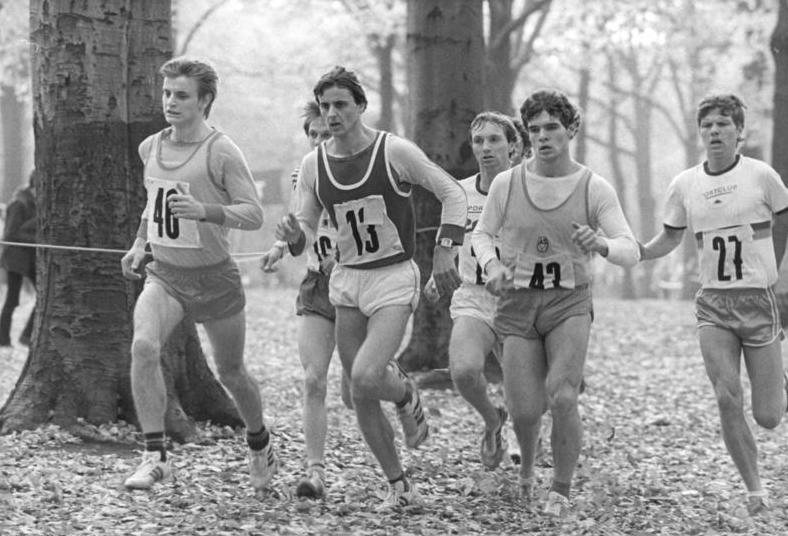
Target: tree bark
(445, 52)
(96, 86)
(779, 47)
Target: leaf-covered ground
(652, 463)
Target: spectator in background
(19, 261)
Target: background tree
(779, 48)
(96, 93)
(14, 97)
(445, 50)
(513, 27)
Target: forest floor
(653, 461)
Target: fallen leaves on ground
(653, 462)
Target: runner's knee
(145, 351)
(729, 397)
(562, 397)
(767, 418)
(466, 375)
(314, 384)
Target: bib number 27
(718, 244)
(166, 222)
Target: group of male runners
(525, 232)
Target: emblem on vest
(542, 244)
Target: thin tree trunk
(12, 112)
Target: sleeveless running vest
(537, 242)
(373, 214)
(177, 241)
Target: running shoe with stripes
(411, 416)
(150, 471)
(401, 493)
(491, 454)
(263, 465)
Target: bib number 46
(166, 222)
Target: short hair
(310, 113)
(342, 78)
(728, 104)
(201, 71)
(554, 103)
(496, 118)
(518, 124)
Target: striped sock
(156, 441)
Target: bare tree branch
(197, 25)
(516, 22)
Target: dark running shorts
(205, 292)
(532, 314)
(312, 296)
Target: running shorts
(474, 301)
(312, 296)
(750, 313)
(205, 292)
(369, 290)
(532, 314)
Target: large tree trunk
(445, 59)
(96, 92)
(12, 112)
(779, 46)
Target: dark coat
(20, 226)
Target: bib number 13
(719, 244)
(166, 222)
(355, 221)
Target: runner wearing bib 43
(546, 213)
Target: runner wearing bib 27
(729, 201)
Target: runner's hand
(270, 258)
(288, 229)
(131, 263)
(499, 278)
(185, 206)
(444, 270)
(588, 240)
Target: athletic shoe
(492, 454)
(150, 471)
(411, 416)
(311, 486)
(399, 496)
(525, 487)
(557, 505)
(263, 465)
(757, 501)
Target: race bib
(722, 256)
(365, 233)
(533, 272)
(164, 229)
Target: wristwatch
(446, 242)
